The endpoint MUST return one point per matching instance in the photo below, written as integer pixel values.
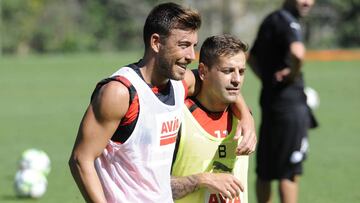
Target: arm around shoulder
(245, 127)
(96, 128)
(193, 82)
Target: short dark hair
(220, 45)
(167, 16)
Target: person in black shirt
(276, 58)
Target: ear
(203, 70)
(155, 42)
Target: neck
(210, 103)
(289, 7)
(149, 71)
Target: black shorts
(282, 143)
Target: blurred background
(54, 52)
(50, 26)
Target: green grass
(331, 170)
(44, 97)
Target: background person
(276, 58)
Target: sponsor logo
(169, 130)
(216, 198)
(220, 166)
(295, 26)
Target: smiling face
(175, 53)
(223, 80)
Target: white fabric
(139, 169)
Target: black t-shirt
(271, 50)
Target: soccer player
(276, 58)
(206, 168)
(126, 139)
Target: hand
(282, 74)
(246, 128)
(225, 184)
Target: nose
(308, 3)
(236, 78)
(190, 55)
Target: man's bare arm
(223, 183)
(97, 126)
(182, 186)
(193, 82)
(245, 127)
(297, 55)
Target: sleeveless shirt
(138, 170)
(200, 152)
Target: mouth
(233, 90)
(305, 9)
(182, 65)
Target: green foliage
(44, 26)
(350, 21)
(334, 23)
(68, 26)
(19, 21)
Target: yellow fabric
(201, 152)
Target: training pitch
(43, 99)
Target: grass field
(44, 97)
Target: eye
(184, 45)
(242, 71)
(227, 71)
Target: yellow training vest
(200, 152)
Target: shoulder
(189, 77)
(279, 19)
(289, 21)
(272, 18)
(271, 25)
(189, 102)
(111, 101)
(288, 27)
(287, 16)
(192, 82)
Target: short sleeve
(292, 30)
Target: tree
(334, 23)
